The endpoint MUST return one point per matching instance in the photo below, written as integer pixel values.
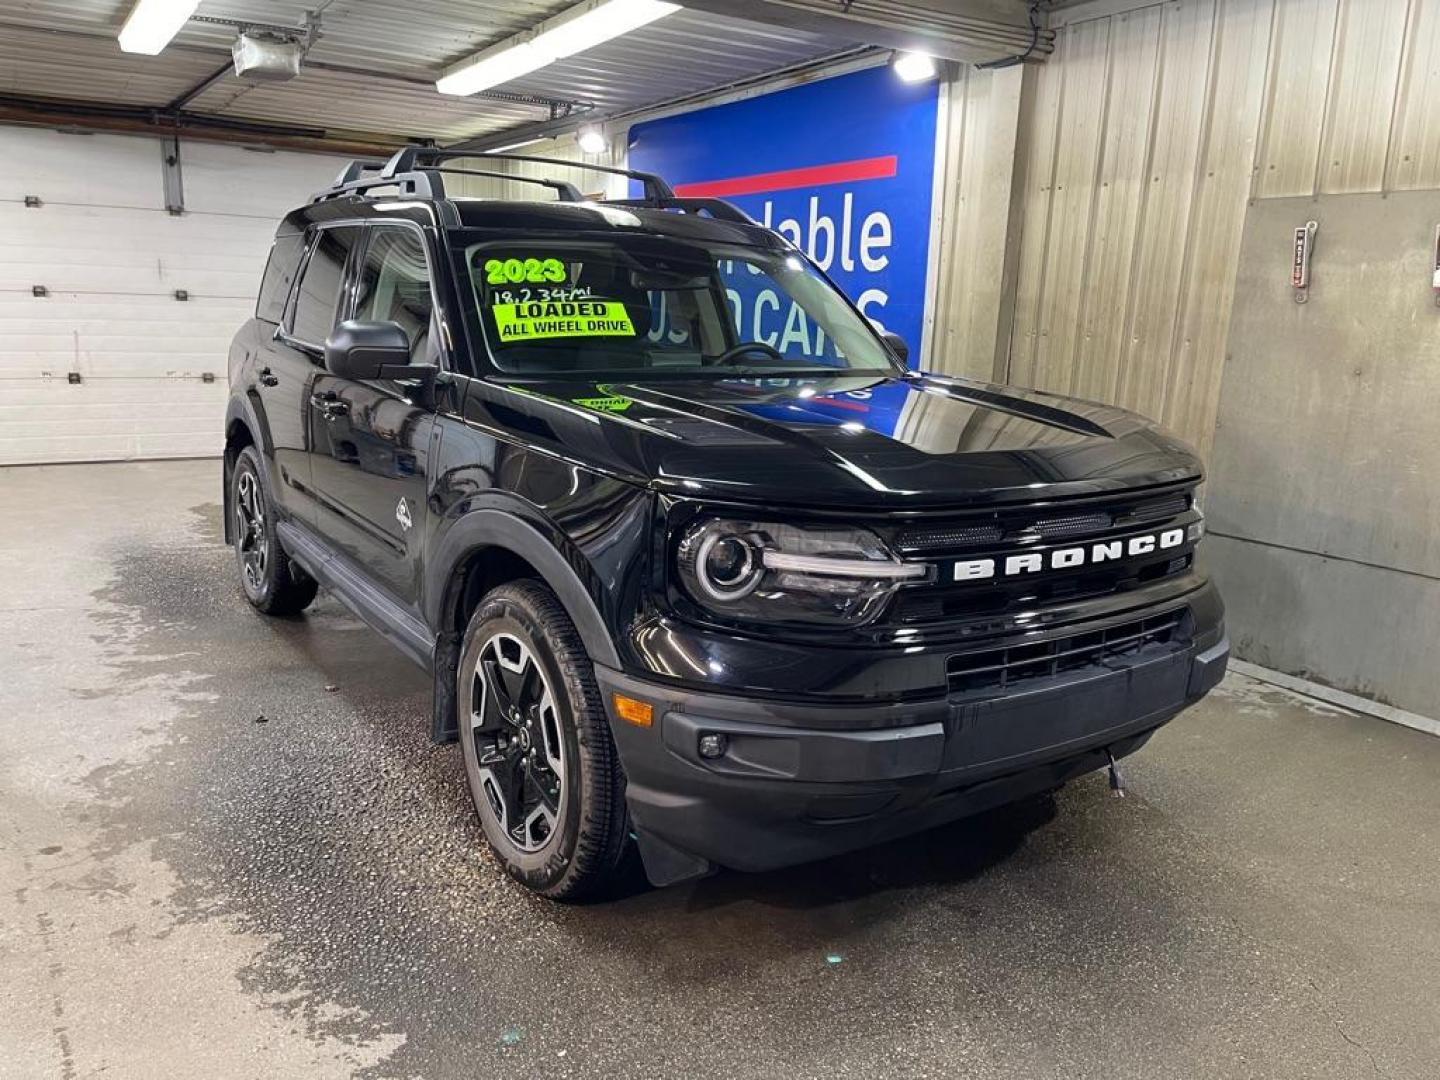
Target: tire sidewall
(546, 866)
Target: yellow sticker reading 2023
(562, 318)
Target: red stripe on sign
(841, 172)
(841, 403)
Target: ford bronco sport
(692, 556)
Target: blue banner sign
(844, 168)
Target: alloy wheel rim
(250, 528)
(515, 729)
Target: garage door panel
(118, 336)
(210, 188)
(51, 420)
(129, 251)
(111, 259)
(67, 169)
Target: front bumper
(805, 781)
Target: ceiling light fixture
(152, 23)
(591, 140)
(914, 67)
(581, 27)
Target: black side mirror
(361, 350)
(897, 345)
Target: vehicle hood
(841, 442)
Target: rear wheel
(271, 582)
(539, 759)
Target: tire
(539, 760)
(270, 581)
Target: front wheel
(539, 759)
(272, 583)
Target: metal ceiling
(371, 72)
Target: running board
(375, 607)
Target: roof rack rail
(428, 183)
(716, 208)
(416, 184)
(419, 170)
(566, 191)
(412, 158)
(356, 169)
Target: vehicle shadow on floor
(947, 855)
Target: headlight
(763, 571)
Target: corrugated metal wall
(1148, 133)
(979, 114)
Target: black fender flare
(546, 548)
(241, 409)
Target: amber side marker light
(639, 713)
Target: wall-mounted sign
(843, 167)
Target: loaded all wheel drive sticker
(562, 318)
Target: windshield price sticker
(561, 319)
(523, 271)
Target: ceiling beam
(138, 120)
(971, 31)
(200, 87)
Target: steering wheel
(730, 355)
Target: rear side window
(279, 276)
(318, 297)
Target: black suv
(692, 556)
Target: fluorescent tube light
(600, 24)
(913, 67)
(152, 23)
(487, 71)
(582, 27)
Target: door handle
(330, 406)
(267, 377)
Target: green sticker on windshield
(562, 319)
(605, 404)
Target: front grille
(1006, 668)
(998, 526)
(916, 541)
(1167, 506)
(1060, 528)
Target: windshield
(643, 305)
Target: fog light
(713, 746)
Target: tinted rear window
(279, 275)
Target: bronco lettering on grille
(1067, 558)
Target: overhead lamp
(573, 31)
(487, 70)
(914, 67)
(591, 140)
(152, 23)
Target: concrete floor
(188, 891)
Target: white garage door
(109, 259)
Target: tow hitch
(1117, 780)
